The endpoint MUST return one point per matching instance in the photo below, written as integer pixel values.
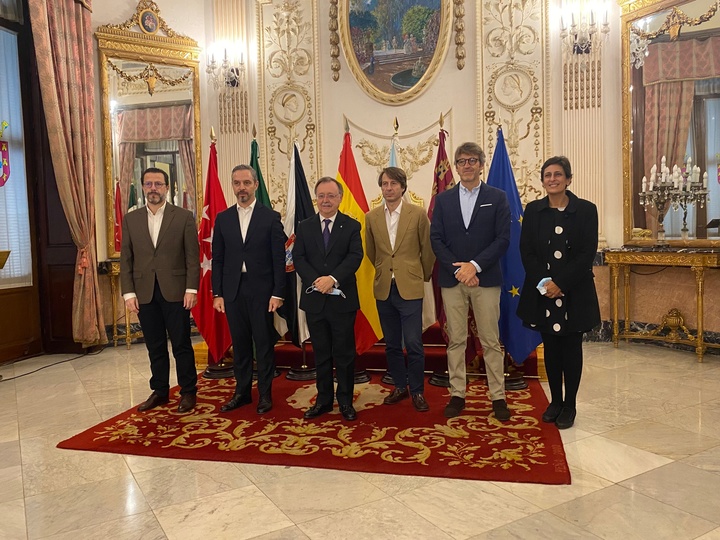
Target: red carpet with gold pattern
(392, 439)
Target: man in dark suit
(248, 281)
(470, 232)
(327, 253)
(397, 238)
(159, 277)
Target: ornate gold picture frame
(394, 49)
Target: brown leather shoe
(187, 403)
(419, 403)
(396, 396)
(155, 400)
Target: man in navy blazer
(248, 281)
(328, 251)
(470, 232)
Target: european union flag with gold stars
(519, 341)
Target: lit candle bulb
(705, 180)
(652, 184)
(644, 184)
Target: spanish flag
(354, 204)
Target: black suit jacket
(262, 251)
(484, 241)
(342, 259)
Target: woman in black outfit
(558, 299)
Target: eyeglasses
(150, 185)
(470, 161)
(328, 196)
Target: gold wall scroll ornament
(674, 22)
(411, 157)
(334, 41)
(288, 36)
(147, 18)
(150, 75)
(168, 52)
(459, 26)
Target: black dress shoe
(155, 400)
(566, 418)
(264, 405)
(552, 412)
(316, 410)
(501, 410)
(397, 395)
(419, 403)
(454, 407)
(348, 412)
(187, 403)
(238, 400)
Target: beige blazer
(175, 262)
(412, 259)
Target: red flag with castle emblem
(212, 325)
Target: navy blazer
(262, 250)
(341, 261)
(484, 241)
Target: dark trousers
(563, 360)
(333, 339)
(160, 319)
(250, 321)
(400, 320)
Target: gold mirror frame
(444, 32)
(633, 10)
(131, 41)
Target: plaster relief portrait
(289, 107)
(512, 88)
(395, 47)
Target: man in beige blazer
(159, 277)
(397, 238)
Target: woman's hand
(552, 290)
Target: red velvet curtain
(62, 33)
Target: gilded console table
(113, 270)
(697, 261)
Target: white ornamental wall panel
(288, 92)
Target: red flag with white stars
(212, 325)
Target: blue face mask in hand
(334, 292)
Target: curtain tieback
(83, 263)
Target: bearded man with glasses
(159, 277)
(469, 233)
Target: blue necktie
(326, 232)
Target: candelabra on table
(673, 190)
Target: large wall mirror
(150, 113)
(671, 122)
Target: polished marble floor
(644, 455)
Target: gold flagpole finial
(442, 120)
(213, 138)
(254, 131)
(347, 124)
(396, 125)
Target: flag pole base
(362, 376)
(303, 373)
(222, 370)
(440, 378)
(514, 380)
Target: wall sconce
(226, 74)
(585, 35)
(229, 78)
